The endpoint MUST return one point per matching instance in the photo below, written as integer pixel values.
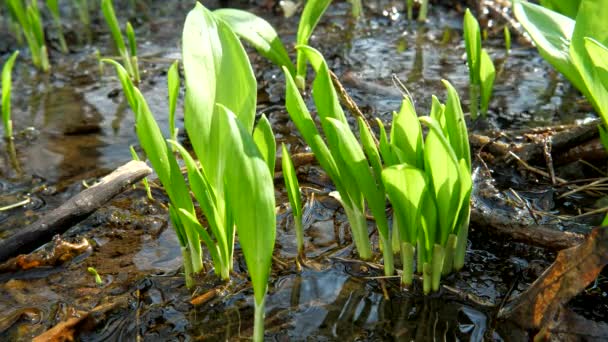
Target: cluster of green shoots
(233, 184)
(577, 48)
(428, 181)
(481, 68)
(128, 56)
(30, 21)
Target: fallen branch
(74, 210)
(538, 235)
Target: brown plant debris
(573, 269)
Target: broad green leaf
(291, 183)
(313, 10)
(217, 70)
(250, 189)
(487, 73)
(455, 125)
(568, 8)
(173, 89)
(359, 168)
(406, 135)
(551, 33)
(472, 43)
(259, 33)
(444, 177)
(264, 139)
(7, 71)
(371, 151)
(406, 187)
(590, 22)
(306, 126)
(324, 93)
(598, 53)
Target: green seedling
(295, 200)
(30, 21)
(357, 8)
(342, 157)
(481, 68)
(94, 273)
(233, 183)
(129, 57)
(7, 71)
(424, 8)
(53, 6)
(145, 180)
(562, 42)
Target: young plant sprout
(507, 35)
(481, 68)
(424, 8)
(295, 200)
(129, 57)
(53, 6)
(7, 71)
(94, 273)
(566, 45)
(342, 157)
(233, 183)
(357, 8)
(31, 25)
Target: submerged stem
(187, 267)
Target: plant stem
(437, 264)
(474, 100)
(461, 244)
(299, 235)
(424, 6)
(407, 256)
(258, 321)
(358, 226)
(419, 257)
(395, 236)
(427, 274)
(448, 260)
(187, 267)
(387, 253)
(410, 7)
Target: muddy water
(74, 126)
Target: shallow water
(75, 126)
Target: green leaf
(487, 73)
(455, 125)
(291, 183)
(598, 53)
(217, 70)
(127, 84)
(385, 147)
(406, 188)
(444, 177)
(108, 12)
(590, 23)
(472, 43)
(371, 151)
(264, 139)
(131, 39)
(313, 10)
(568, 8)
(551, 33)
(173, 89)
(359, 168)
(7, 71)
(250, 189)
(259, 33)
(406, 135)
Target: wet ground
(73, 126)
